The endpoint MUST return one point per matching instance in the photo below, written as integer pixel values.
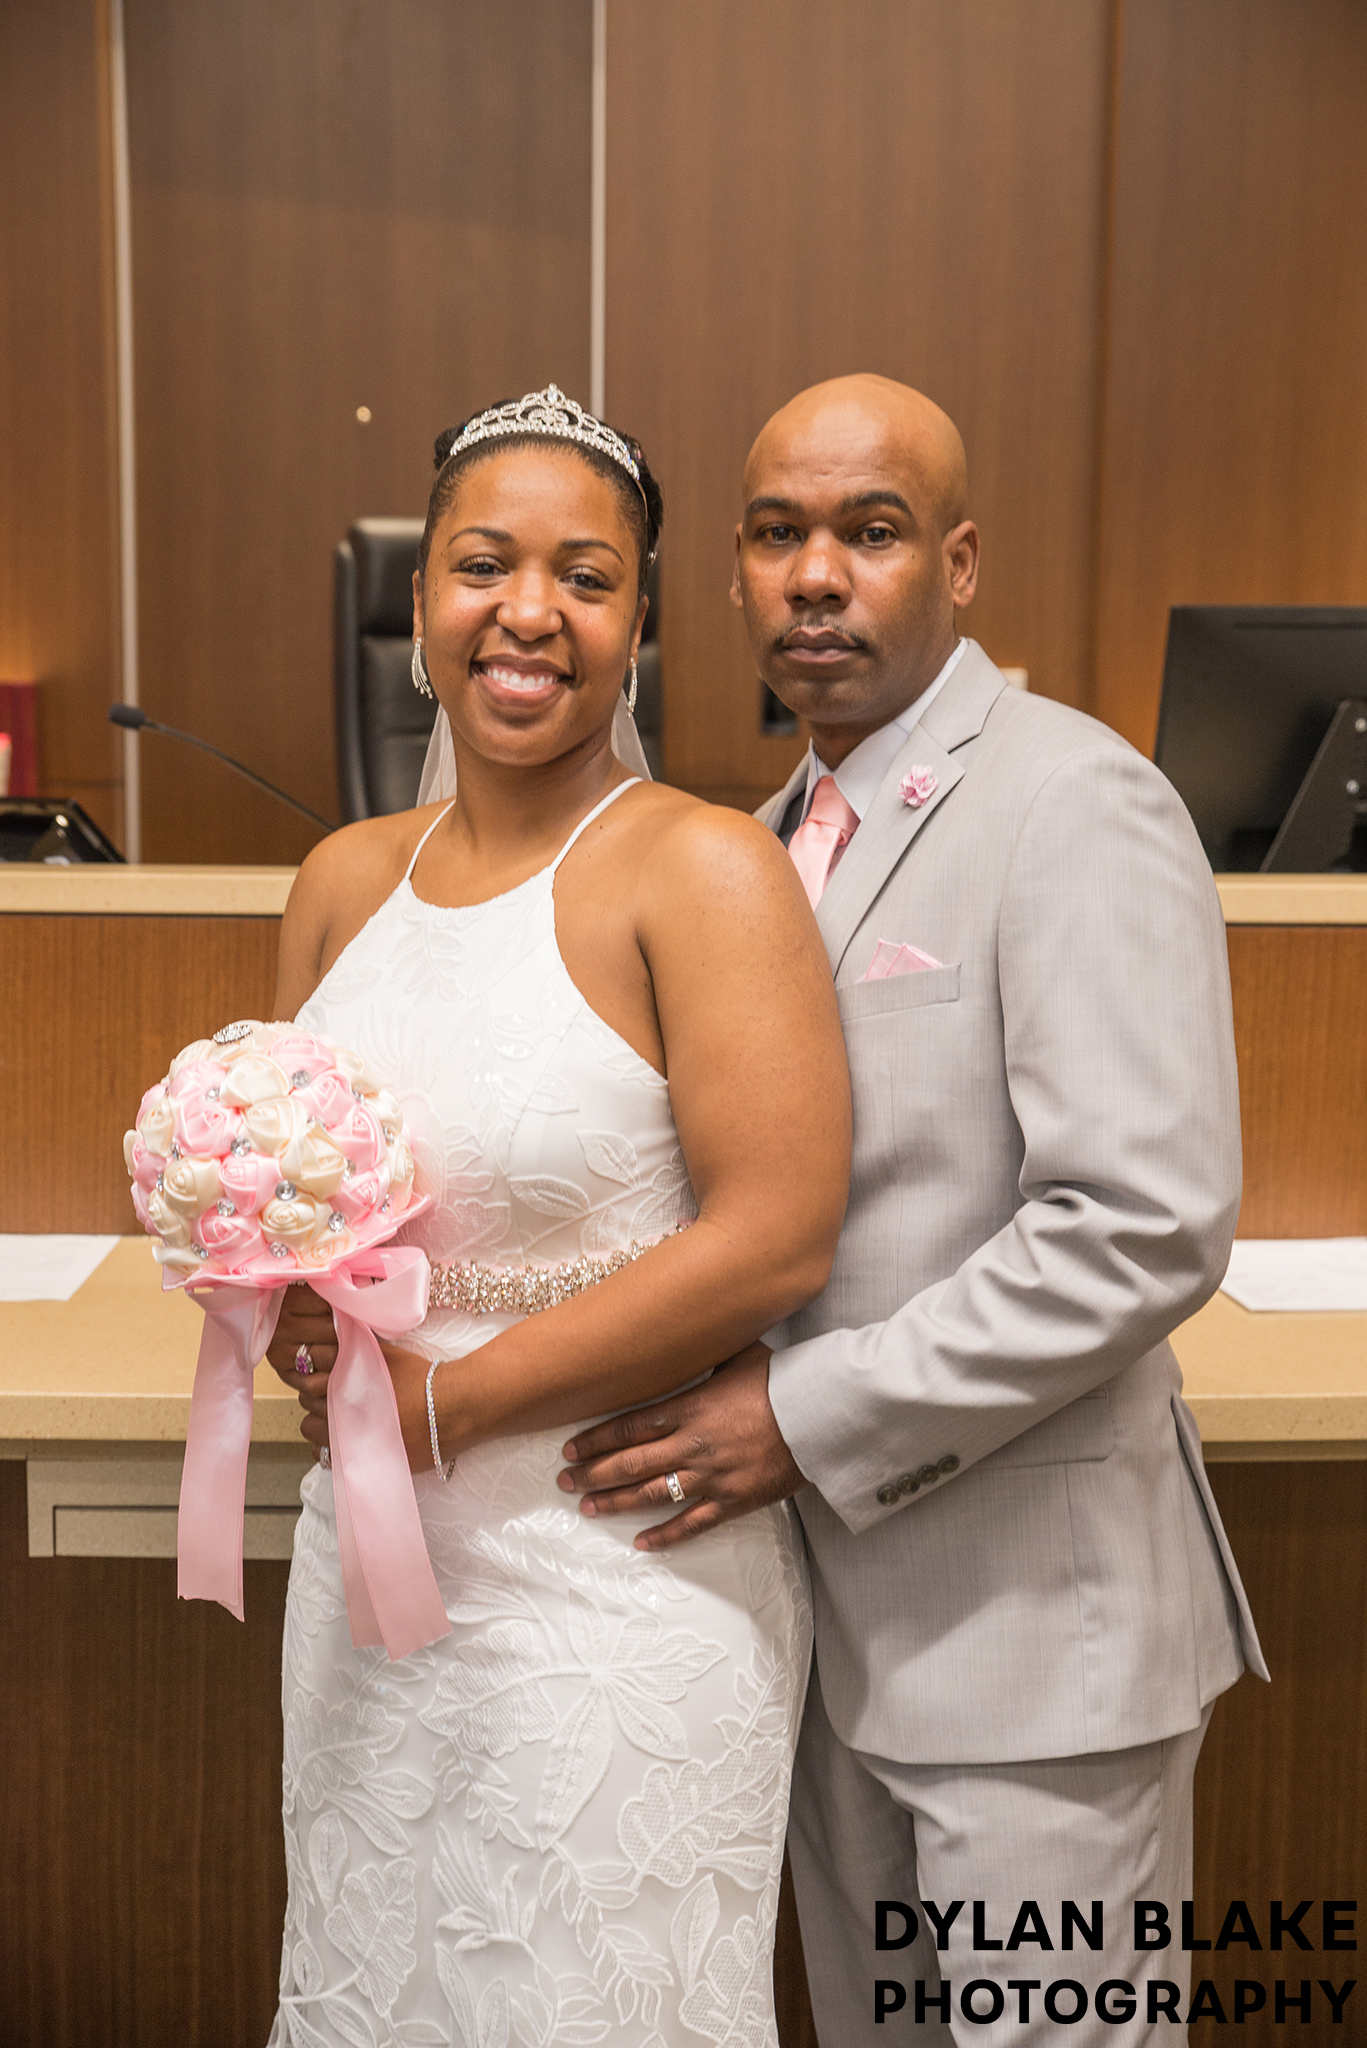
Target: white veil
(438, 781)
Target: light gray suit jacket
(1015, 1552)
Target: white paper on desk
(50, 1267)
(1300, 1275)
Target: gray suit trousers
(1113, 1826)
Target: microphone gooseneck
(135, 720)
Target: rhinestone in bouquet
(267, 1153)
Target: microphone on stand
(137, 721)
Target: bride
(607, 1015)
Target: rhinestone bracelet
(445, 1470)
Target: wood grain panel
(58, 524)
(96, 1007)
(1235, 437)
(1281, 1787)
(1300, 997)
(919, 193)
(333, 207)
(143, 1875)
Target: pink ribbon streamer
(391, 1592)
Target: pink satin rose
(143, 1164)
(198, 1049)
(328, 1097)
(140, 1208)
(298, 1052)
(360, 1137)
(249, 1180)
(206, 1127)
(360, 1196)
(230, 1240)
(195, 1078)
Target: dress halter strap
(597, 810)
(408, 873)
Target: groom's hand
(720, 1440)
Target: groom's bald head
(854, 553)
(891, 422)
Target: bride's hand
(303, 1352)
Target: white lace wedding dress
(563, 1823)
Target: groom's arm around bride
(1025, 1603)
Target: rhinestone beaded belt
(525, 1291)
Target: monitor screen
(1248, 695)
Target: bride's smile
(530, 607)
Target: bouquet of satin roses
(268, 1156)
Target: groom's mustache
(813, 633)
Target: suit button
(887, 1495)
(928, 1473)
(949, 1464)
(908, 1483)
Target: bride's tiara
(549, 413)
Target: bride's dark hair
(644, 508)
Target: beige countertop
(98, 890)
(116, 1362)
(112, 891)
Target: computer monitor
(1250, 693)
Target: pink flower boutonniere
(918, 786)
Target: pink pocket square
(890, 958)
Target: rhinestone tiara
(549, 412)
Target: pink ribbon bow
(391, 1591)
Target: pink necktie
(822, 837)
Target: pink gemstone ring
(303, 1360)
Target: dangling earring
(631, 693)
(420, 677)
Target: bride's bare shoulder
(720, 852)
(344, 880)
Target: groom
(1025, 1603)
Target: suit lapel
(888, 828)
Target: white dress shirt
(862, 770)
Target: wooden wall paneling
(333, 207)
(1235, 430)
(143, 1877)
(1299, 998)
(59, 621)
(96, 1008)
(912, 187)
(1281, 1787)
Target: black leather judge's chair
(383, 723)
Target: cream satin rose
(267, 1151)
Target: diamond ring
(674, 1488)
(303, 1361)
